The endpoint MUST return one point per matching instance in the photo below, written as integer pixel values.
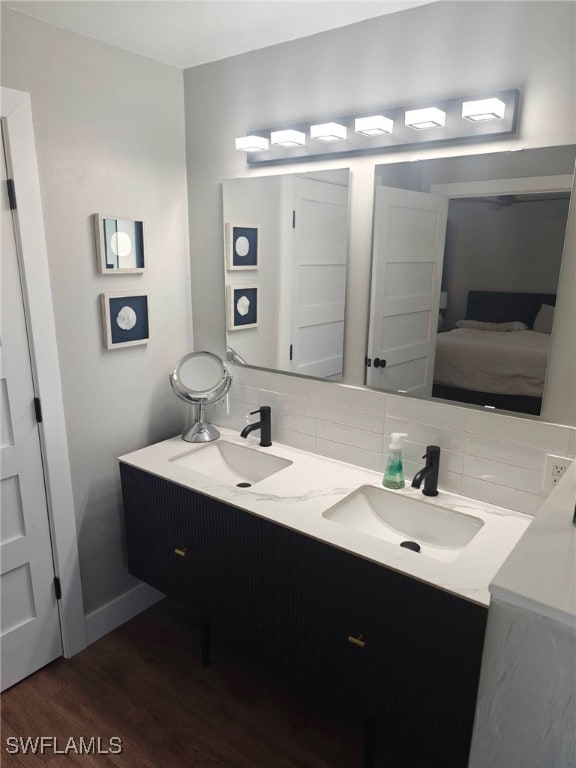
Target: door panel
(408, 251)
(29, 628)
(319, 255)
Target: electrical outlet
(555, 467)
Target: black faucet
(429, 473)
(264, 425)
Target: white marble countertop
(540, 574)
(297, 496)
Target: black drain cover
(243, 485)
(414, 546)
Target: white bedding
(488, 361)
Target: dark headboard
(502, 307)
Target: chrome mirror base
(201, 432)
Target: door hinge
(290, 351)
(38, 409)
(293, 219)
(57, 588)
(11, 193)
(368, 362)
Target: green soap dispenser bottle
(394, 474)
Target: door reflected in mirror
(465, 267)
(297, 271)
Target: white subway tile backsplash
(515, 430)
(501, 495)
(294, 439)
(351, 454)
(427, 434)
(245, 393)
(293, 421)
(249, 377)
(523, 479)
(352, 417)
(510, 453)
(359, 438)
(289, 403)
(355, 397)
(288, 385)
(449, 460)
(572, 443)
(447, 416)
(488, 456)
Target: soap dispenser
(394, 474)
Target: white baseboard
(120, 610)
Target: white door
(408, 250)
(29, 623)
(319, 252)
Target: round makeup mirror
(201, 379)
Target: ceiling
(191, 32)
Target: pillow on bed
(479, 325)
(544, 318)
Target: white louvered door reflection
(30, 634)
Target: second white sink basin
(441, 533)
(230, 463)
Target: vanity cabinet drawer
(195, 550)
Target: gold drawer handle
(357, 641)
(180, 552)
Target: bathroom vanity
(287, 566)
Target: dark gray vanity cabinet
(196, 550)
(392, 648)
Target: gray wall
(109, 129)
(440, 50)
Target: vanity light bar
(288, 138)
(457, 119)
(328, 132)
(373, 126)
(430, 117)
(483, 109)
(252, 143)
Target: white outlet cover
(554, 470)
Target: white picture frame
(120, 244)
(241, 307)
(125, 318)
(242, 246)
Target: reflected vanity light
(328, 132)
(252, 143)
(443, 300)
(483, 109)
(373, 126)
(430, 117)
(288, 138)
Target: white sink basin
(440, 532)
(230, 463)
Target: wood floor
(144, 684)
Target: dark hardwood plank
(145, 684)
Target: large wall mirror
(465, 267)
(285, 272)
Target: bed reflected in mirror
(465, 268)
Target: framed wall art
(124, 318)
(241, 306)
(241, 246)
(119, 245)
